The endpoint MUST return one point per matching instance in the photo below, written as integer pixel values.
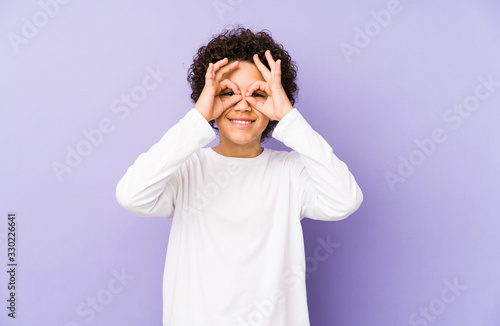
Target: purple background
(393, 256)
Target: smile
(241, 123)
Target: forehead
(245, 74)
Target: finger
(262, 68)
(257, 85)
(277, 72)
(220, 63)
(232, 100)
(210, 71)
(219, 74)
(254, 102)
(226, 83)
(270, 60)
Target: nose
(243, 105)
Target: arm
(149, 186)
(327, 190)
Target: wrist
(284, 113)
(203, 114)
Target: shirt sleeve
(327, 189)
(149, 186)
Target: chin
(240, 137)
(243, 140)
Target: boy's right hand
(209, 104)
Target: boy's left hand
(277, 104)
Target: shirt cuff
(201, 124)
(279, 131)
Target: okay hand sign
(277, 104)
(210, 104)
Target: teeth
(242, 122)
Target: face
(255, 123)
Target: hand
(277, 104)
(209, 104)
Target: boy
(236, 253)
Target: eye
(258, 95)
(227, 93)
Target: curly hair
(241, 44)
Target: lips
(242, 122)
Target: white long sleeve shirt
(235, 254)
